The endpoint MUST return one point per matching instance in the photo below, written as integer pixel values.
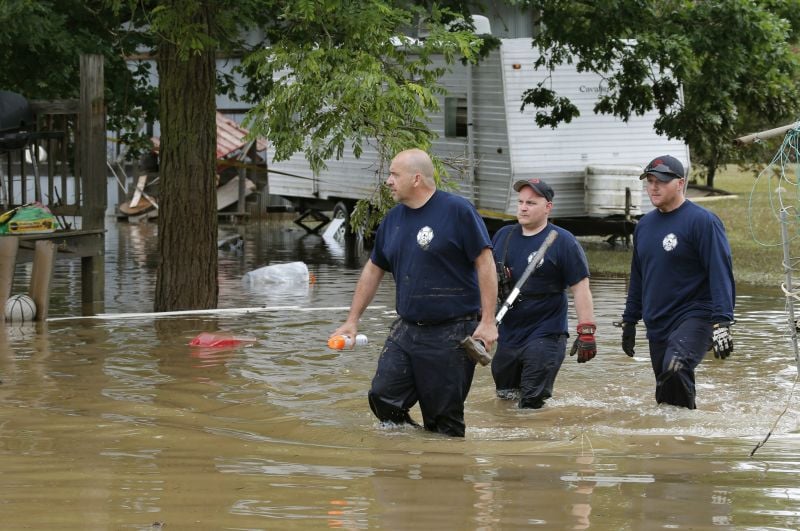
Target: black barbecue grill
(18, 133)
(18, 123)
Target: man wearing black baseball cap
(681, 284)
(539, 186)
(533, 334)
(664, 168)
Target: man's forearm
(487, 282)
(584, 306)
(366, 288)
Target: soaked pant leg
(541, 360)
(528, 372)
(425, 363)
(507, 371)
(675, 360)
(443, 375)
(393, 391)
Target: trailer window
(455, 117)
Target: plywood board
(228, 193)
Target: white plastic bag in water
(293, 273)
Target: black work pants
(424, 364)
(675, 359)
(529, 371)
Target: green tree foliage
(711, 69)
(358, 81)
(41, 41)
(349, 83)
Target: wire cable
(781, 203)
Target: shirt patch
(425, 237)
(530, 257)
(669, 242)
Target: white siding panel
(561, 155)
(507, 143)
(347, 178)
(490, 131)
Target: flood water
(117, 423)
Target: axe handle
(532, 266)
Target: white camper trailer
(590, 162)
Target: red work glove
(584, 344)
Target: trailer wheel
(341, 211)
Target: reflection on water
(119, 424)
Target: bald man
(438, 250)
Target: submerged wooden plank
(8, 261)
(228, 193)
(41, 276)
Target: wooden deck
(43, 250)
(73, 133)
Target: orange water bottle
(340, 342)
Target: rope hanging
(785, 169)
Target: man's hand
(722, 340)
(486, 333)
(584, 344)
(628, 338)
(347, 329)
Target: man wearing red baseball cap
(681, 284)
(532, 339)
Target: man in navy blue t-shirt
(438, 250)
(681, 284)
(533, 334)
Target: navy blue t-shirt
(542, 307)
(431, 253)
(681, 267)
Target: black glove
(628, 338)
(722, 340)
(584, 344)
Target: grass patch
(752, 221)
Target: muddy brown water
(118, 424)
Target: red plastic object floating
(206, 339)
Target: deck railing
(63, 165)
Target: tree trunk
(712, 169)
(187, 217)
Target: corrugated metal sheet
(230, 138)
